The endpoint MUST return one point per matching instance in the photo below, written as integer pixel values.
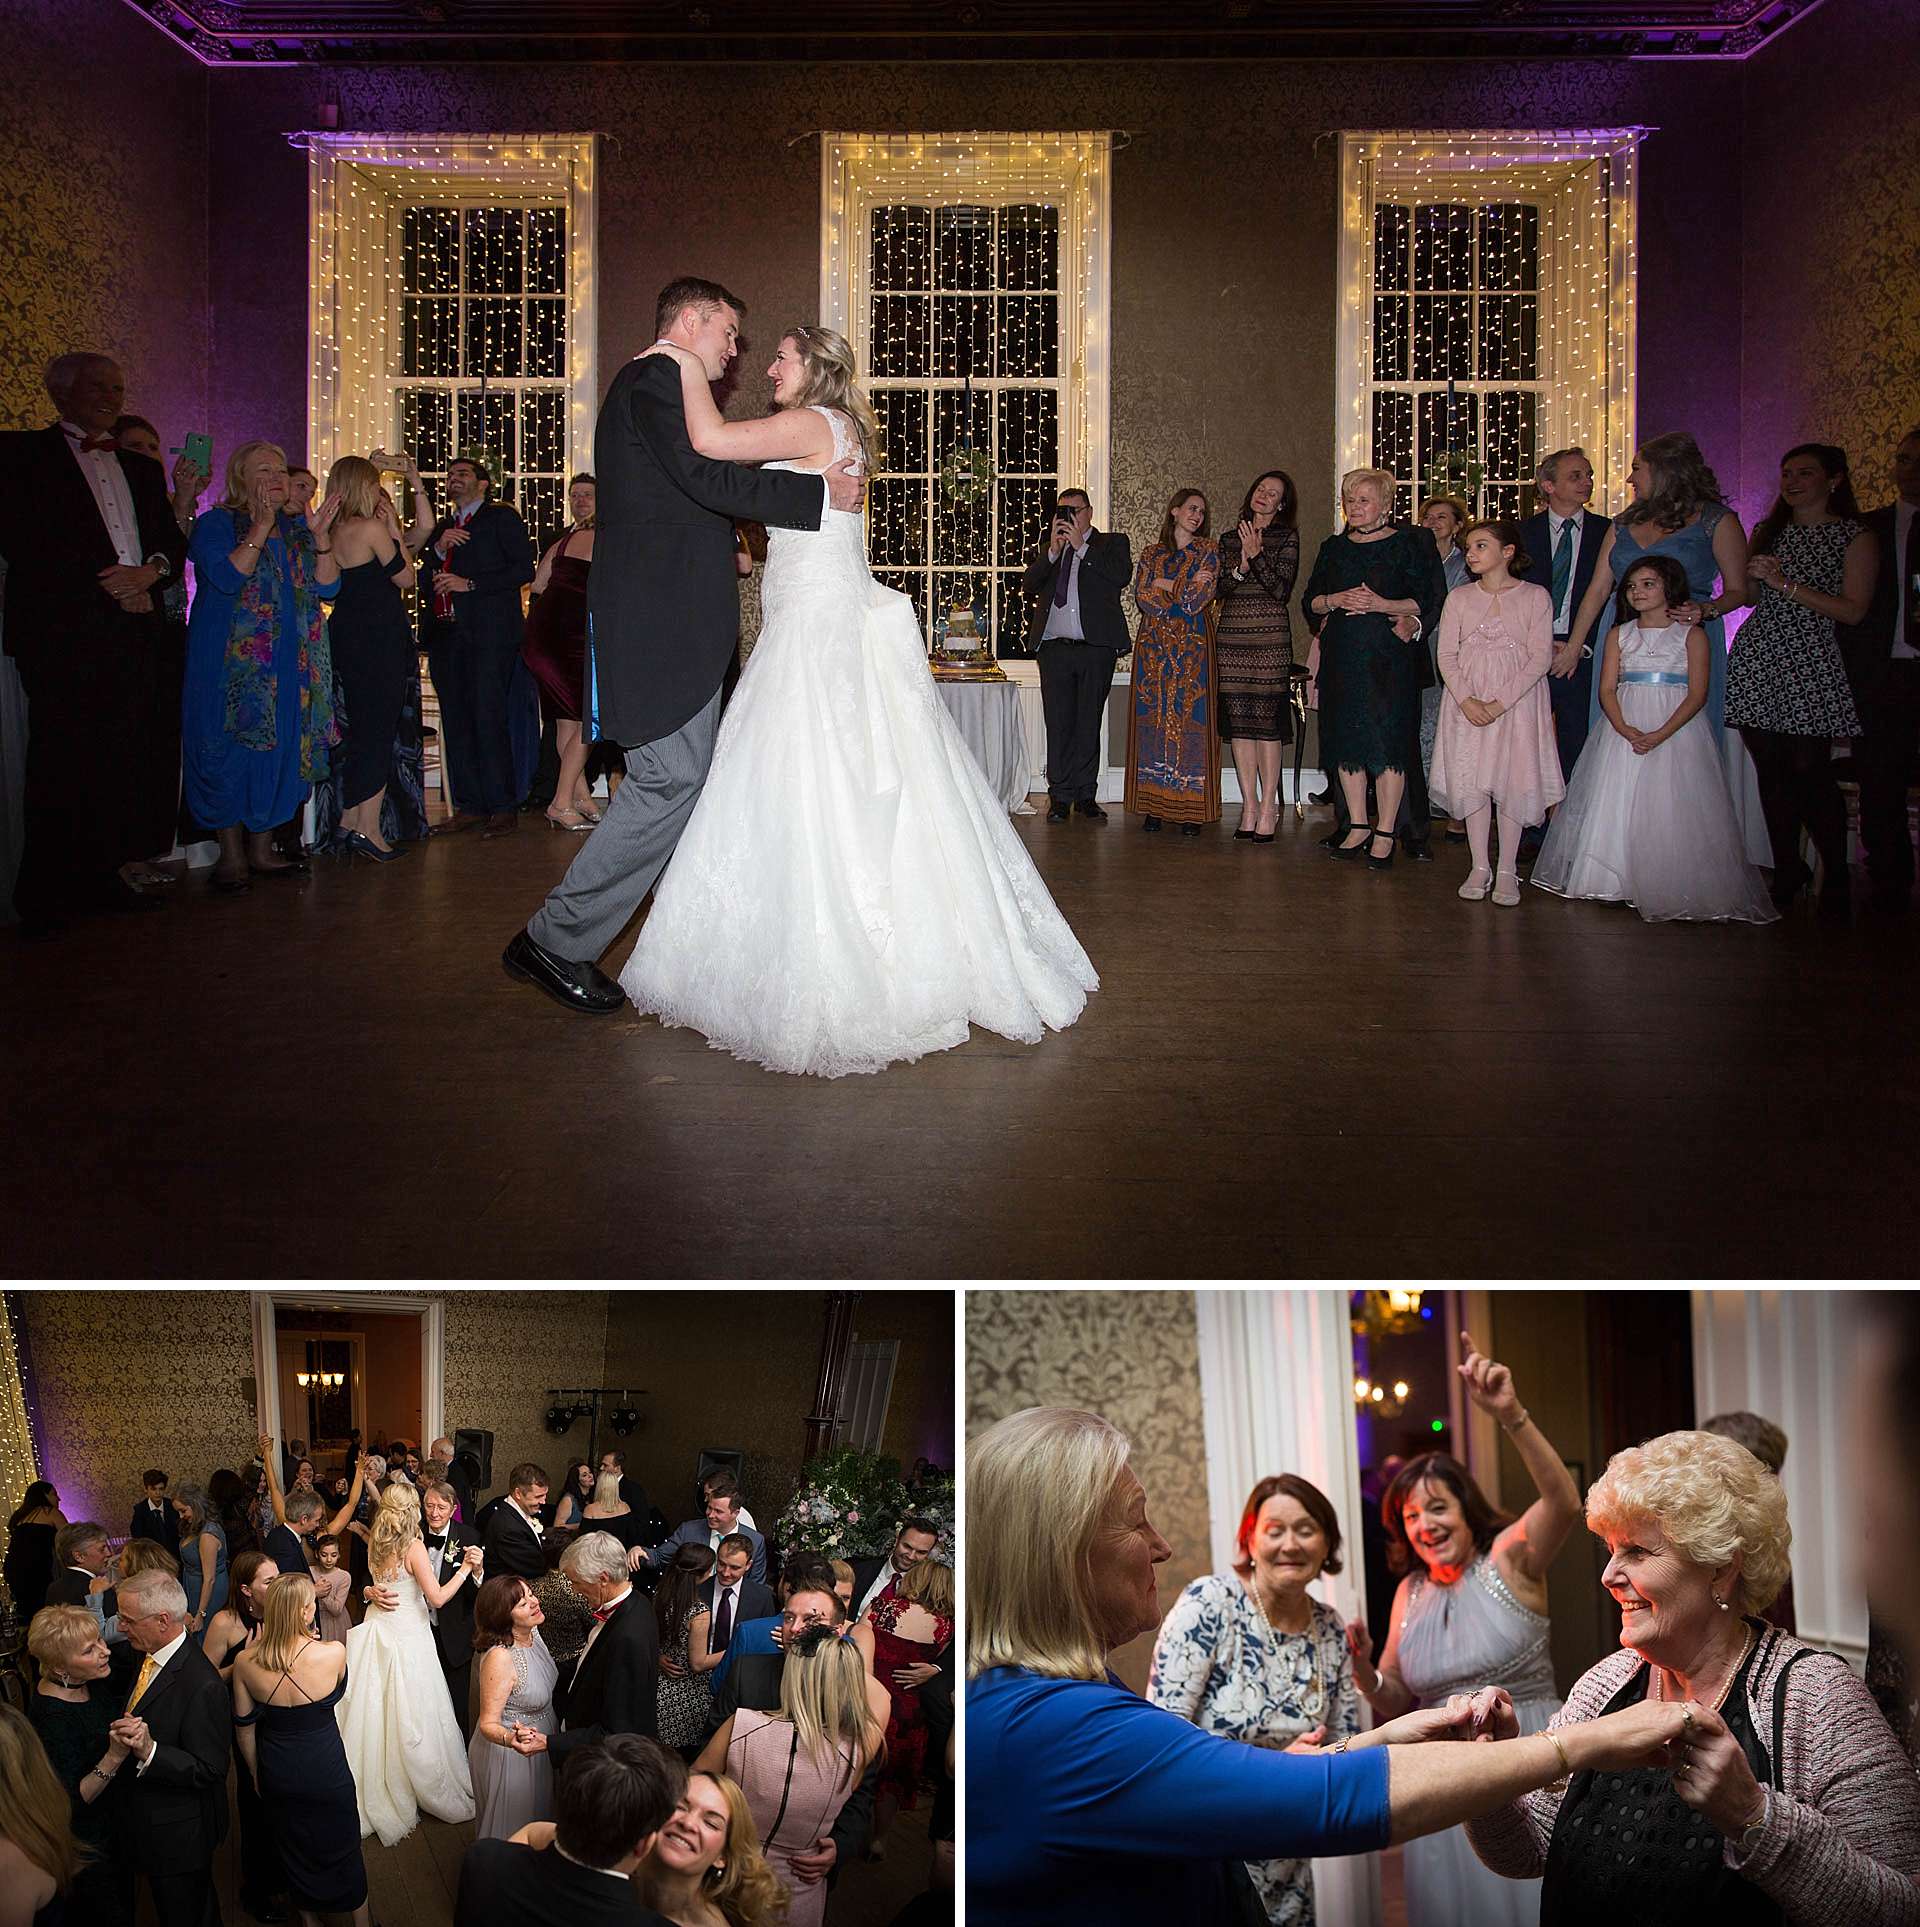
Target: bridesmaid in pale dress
(515, 1687)
(1475, 1616)
(798, 1766)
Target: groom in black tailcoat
(453, 1622)
(663, 622)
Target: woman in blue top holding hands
(1086, 1803)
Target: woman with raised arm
(1473, 1615)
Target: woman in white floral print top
(1250, 1655)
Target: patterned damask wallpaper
(1224, 221)
(1832, 221)
(1134, 1358)
(103, 238)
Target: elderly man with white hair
(90, 539)
(615, 1683)
(177, 1728)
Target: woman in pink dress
(901, 1637)
(1495, 747)
(798, 1766)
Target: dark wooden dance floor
(1294, 1069)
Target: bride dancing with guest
(849, 893)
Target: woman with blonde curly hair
(706, 1868)
(396, 1719)
(1791, 1802)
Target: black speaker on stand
(476, 1448)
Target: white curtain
(1276, 1371)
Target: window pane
(494, 243)
(1504, 498)
(1509, 337)
(897, 336)
(974, 587)
(1443, 247)
(1029, 431)
(903, 429)
(1393, 443)
(963, 247)
(547, 338)
(1010, 623)
(429, 337)
(1443, 337)
(1392, 247)
(1510, 247)
(949, 427)
(493, 338)
(546, 250)
(541, 500)
(496, 438)
(1449, 439)
(543, 439)
(902, 255)
(1030, 247)
(1392, 342)
(897, 523)
(963, 334)
(1023, 519)
(962, 529)
(1512, 435)
(1029, 344)
(426, 428)
(430, 250)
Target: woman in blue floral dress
(1251, 1655)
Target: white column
(1788, 1355)
(1276, 1371)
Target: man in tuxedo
(453, 1622)
(1078, 631)
(81, 1559)
(483, 557)
(873, 1578)
(722, 1519)
(663, 623)
(1563, 540)
(90, 542)
(609, 1807)
(154, 1517)
(615, 1684)
(178, 1729)
(290, 1546)
(1883, 658)
(514, 1534)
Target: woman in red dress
(554, 649)
(902, 1636)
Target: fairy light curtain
(1487, 309)
(19, 1453)
(970, 272)
(454, 305)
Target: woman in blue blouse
(1087, 1803)
(257, 714)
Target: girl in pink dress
(1495, 747)
(331, 1582)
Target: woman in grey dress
(514, 1684)
(1473, 1613)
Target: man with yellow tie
(177, 1729)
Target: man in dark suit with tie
(1883, 659)
(513, 1529)
(609, 1807)
(178, 1731)
(453, 1622)
(663, 623)
(154, 1517)
(1078, 631)
(615, 1685)
(90, 542)
(1563, 541)
(732, 1595)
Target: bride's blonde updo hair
(395, 1527)
(833, 382)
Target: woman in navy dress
(257, 715)
(285, 1690)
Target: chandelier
(1381, 1401)
(322, 1380)
(1388, 1314)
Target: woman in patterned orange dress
(1173, 729)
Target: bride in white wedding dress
(396, 1721)
(849, 892)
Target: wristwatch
(161, 565)
(1748, 1838)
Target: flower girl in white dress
(1648, 820)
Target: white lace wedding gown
(848, 893)
(397, 1723)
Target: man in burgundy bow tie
(89, 537)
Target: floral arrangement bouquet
(931, 1494)
(845, 1507)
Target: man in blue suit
(1563, 541)
(722, 1521)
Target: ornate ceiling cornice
(242, 33)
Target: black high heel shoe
(1380, 862)
(1150, 823)
(1788, 883)
(363, 845)
(1348, 852)
(1245, 836)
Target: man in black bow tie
(154, 1517)
(453, 1622)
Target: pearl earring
(1725, 1605)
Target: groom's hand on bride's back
(847, 486)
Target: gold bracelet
(1566, 1765)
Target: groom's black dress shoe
(1088, 807)
(580, 986)
(1058, 812)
